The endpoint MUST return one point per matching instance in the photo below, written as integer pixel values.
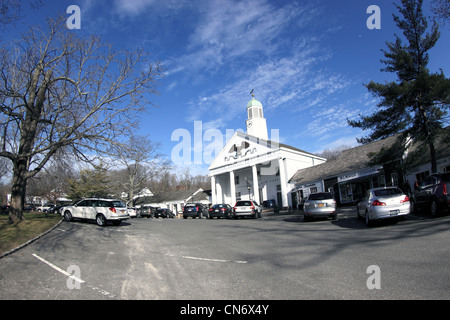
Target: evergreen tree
(417, 103)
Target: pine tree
(417, 103)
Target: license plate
(321, 205)
(216, 210)
(394, 212)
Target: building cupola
(256, 123)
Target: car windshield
(387, 192)
(244, 203)
(320, 196)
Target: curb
(30, 241)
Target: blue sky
(307, 62)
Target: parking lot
(275, 257)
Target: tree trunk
(433, 157)
(18, 191)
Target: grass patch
(13, 235)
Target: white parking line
(73, 277)
(59, 269)
(207, 259)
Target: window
(83, 203)
(238, 196)
(388, 192)
(236, 180)
(421, 176)
(320, 196)
(250, 113)
(313, 190)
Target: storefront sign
(358, 174)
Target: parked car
(45, 208)
(55, 209)
(383, 203)
(100, 210)
(146, 211)
(132, 212)
(164, 213)
(222, 210)
(433, 194)
(244, 208)
(195, 210)
(269, 203)
(320, 204)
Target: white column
(232, 189)
(255, 184)
(283, 183)
(219, 193)
(213, 190)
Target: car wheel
(357, 213)
(368, 221)
(412, 207)
(68, 216)
(101, 220)
(434, 209)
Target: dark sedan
(220, 211)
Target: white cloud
(132, 7)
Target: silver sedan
(321, 204)
(383, 203)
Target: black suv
(195, 210)
(432, 194)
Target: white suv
(100, 210)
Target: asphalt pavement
(278, 257)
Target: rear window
(243, 203)
(387, 192)
(118, 204)
(320, 196)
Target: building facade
(253, 167)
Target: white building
(253, 167)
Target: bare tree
(332, 154)
(58, 89)
(11, 10)
(141, 162)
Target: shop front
(353, 185)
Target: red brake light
(112, 209)
(378, 203)
(405, 200)
(444, 188)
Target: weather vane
(251, 92)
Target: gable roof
(349, 160)
(242, 144)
